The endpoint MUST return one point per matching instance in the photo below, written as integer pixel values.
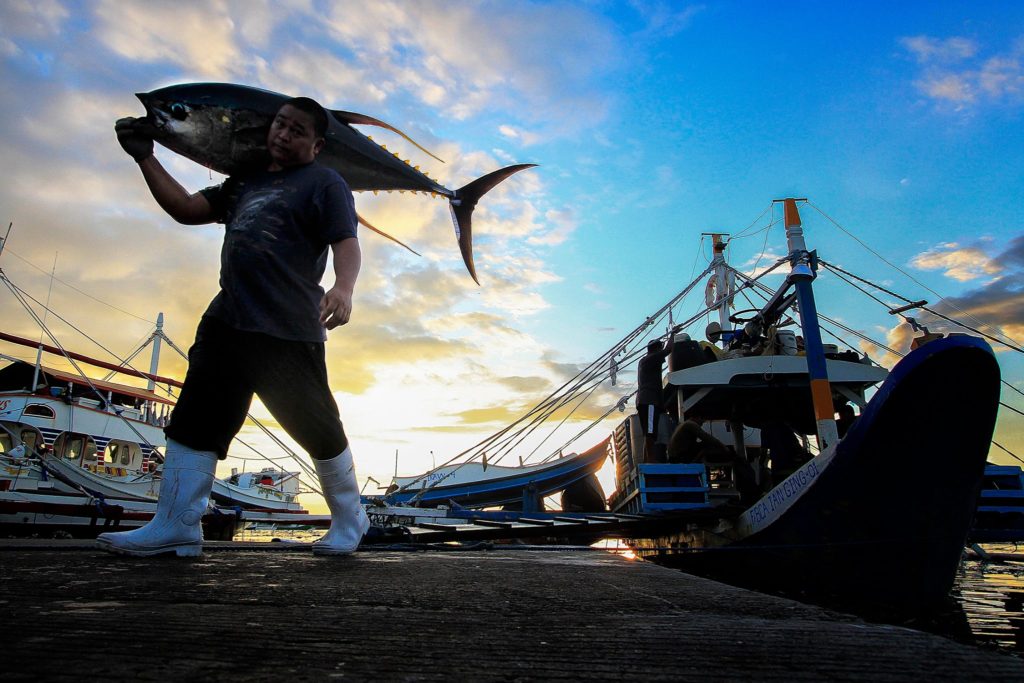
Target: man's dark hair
(313, 108)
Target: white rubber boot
(177, 525)
(348, 518)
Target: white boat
(68, 439)
(267, 489)
(102, 436)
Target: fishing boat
(1000, 514)
(477, 484)
(267, 489)
(78, 450)
(880, 514)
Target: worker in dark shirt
(650, 394)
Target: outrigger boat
(482, 485)
(880, 515)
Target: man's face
(292, 139)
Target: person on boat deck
(783, 448)
(845, 420)
(264, 332)
(650, 394)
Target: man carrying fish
(265, 330)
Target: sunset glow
(651, 123)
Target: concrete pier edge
(276, 612)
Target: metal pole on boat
(154, 359)
(46, 312)
(721, 280)
(4, 240)
(801, 274)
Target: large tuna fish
(224, 127)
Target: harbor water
(991, 594)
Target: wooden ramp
(572, 528)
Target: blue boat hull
(887, 518)
(509, 490)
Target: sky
(651, 123)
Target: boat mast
(154, 359)
(46, 311)
(802, 274)
(721, 279)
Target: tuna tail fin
(463, 203)
(363, 119)
(366, 223)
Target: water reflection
(992, 597)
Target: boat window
(30, 438)
(73, 446)
(6, 443)
(40, 410)
(68, 446)
(121, 452)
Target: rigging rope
(70, 286)
(46, 330)
(21, 295)
(554, 400)
(836, 269)
(916, 281)
(590, 377)
(849, 330)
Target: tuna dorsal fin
(381, 232)
(351, 117)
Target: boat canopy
(757, 390)
(18, 376)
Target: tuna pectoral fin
(463, 203)
(362, 119)
(363, 221)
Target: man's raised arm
(182, 206)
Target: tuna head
(218, 125)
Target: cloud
(996, 306)
(471, 57)
(523, 137)
(954, 71)
(929, 50)
(664, 19)
(33, 19)
(199, 38)
(533, 384)
(563, 224)
(422, 331)
(333, 81)
(962, 263)
(952, 87)
(897, 338)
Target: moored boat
(790, 500)
(73, 444)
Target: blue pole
(802, 276)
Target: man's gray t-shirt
(278, 228)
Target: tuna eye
(179, 111)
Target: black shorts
(227, 366)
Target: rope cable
(1015, 344)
